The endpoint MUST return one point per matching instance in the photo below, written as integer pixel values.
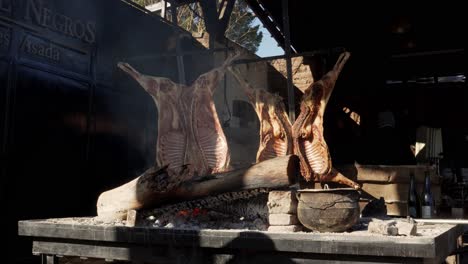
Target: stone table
(83, 237)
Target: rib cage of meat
(172, 143)
(206, 129)
(189, 131)
(275, 128)
(309, 144)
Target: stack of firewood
(282, 209)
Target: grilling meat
(309, 143)
(189, 131)
(275, 128)
(172, 143)
(204, 125)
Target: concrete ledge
(434, 246)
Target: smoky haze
(72, 124)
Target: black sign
(6, 6)
(66, 58)
(5, 38)
(40, 16)
(46, 16)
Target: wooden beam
(175, 54)
(217, 21)
(224, 16)
(180, 57)
(222, 5)
(288, 51)
(302, 54)
(268, 23)
(174, 15)
(160, 6)
(164, 9)
(428, 53)
(161, 186)
(210, 16)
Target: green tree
(140, 2)
(241, 28)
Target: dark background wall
(71, 123)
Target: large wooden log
(158, 187)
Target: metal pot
(328, 210)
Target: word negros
(45, 17)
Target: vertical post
(180, 61)
(49, 259)
(163, 9)
(4, 147)
(226, 123)
(180, 57)
(464, 111)
(224, 15)
(174, 13)
(287, 50)
(210, 16)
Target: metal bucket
(328, 210)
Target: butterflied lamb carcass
(309, 142)
(206, 130)
(275, 128)
(189, 131)
(172, 142)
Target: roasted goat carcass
(275, 128)
(309, 143)
(189, 131)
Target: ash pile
(259, 209)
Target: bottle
(414, 204)
(427, 203)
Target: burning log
(147, 189)
(163, 186)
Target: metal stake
(287, 49)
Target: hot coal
(240, 210)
